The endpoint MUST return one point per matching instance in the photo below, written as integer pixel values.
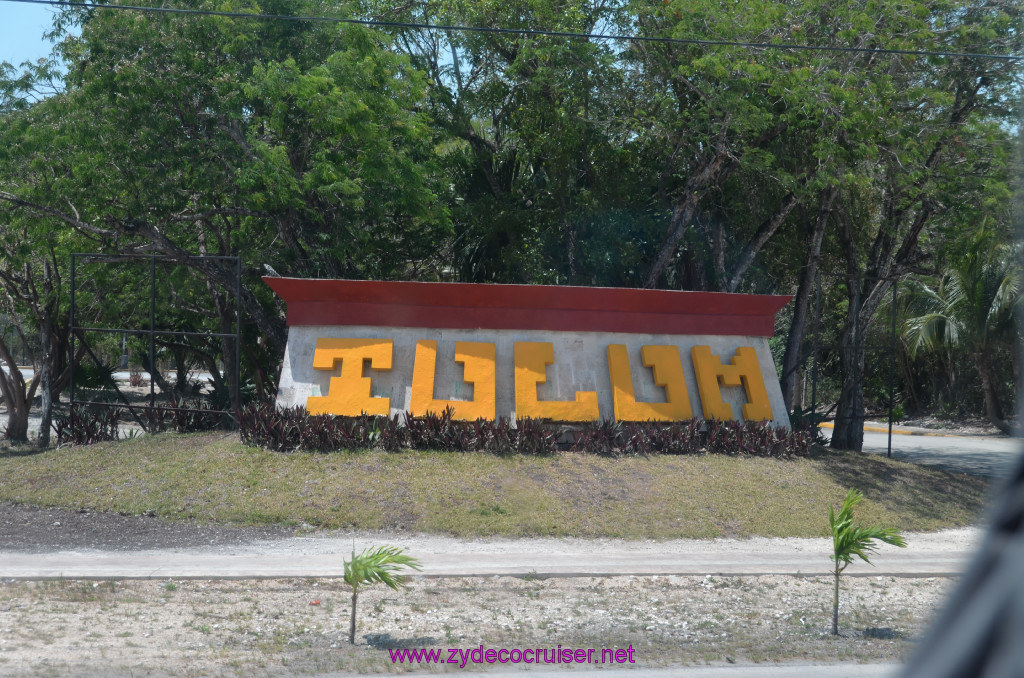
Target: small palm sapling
(849, 540)
(375, 565)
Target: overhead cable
(376, 23)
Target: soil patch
(34, 529)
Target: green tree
(710, 122)
(972, 309)
(532, 136)
(34, 261)
(373, 566)
(302, 147)
(326, 151)
(937, 137)
(849, 540)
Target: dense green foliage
(331, 150)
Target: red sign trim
(525, 307)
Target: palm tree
(372, 566)
(972, 309)
(849, 540)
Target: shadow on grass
(884, 633)
(13, 450)
(921, 493)
(385, 641)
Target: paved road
(928, 554)
(981, 455)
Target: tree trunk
(45, 379)
(797, 327)
(993, 409)
(865, 290)
(799, 384)
(181, 370)
(46, 363)
(12, 388)
(155, 375)
(686, 208)
(680, 221)
(62, 374)
(271, 327)
(17, 418)
(259, 375)
(712, 171)
(352, 620)
(835, 605)
(17, 425)
(848, 430)
(759, 240)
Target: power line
(374, 23)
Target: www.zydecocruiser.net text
(530, 655)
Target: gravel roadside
(298, 625)
(279, 627)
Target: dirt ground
(272, 627)
(34, 530)
(300, 626)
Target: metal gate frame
(235, 378)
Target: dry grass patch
(212, 477)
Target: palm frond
(849, 540)
(927, 331)
(379, 565)
(972, 303)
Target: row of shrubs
(88, 424)
(289, 429)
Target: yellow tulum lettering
(531, 360)
(668, 373)
(478, 369)
(742, 370)
(349, 393)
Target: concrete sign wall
(514, 351)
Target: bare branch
(66, 218)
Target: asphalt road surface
(981, 455)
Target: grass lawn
(213, 477)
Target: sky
(21, 31)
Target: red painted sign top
(525, 307)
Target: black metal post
(817, 329)
(152, 333)
(892, 366)
(238, 341)
(71, 361)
